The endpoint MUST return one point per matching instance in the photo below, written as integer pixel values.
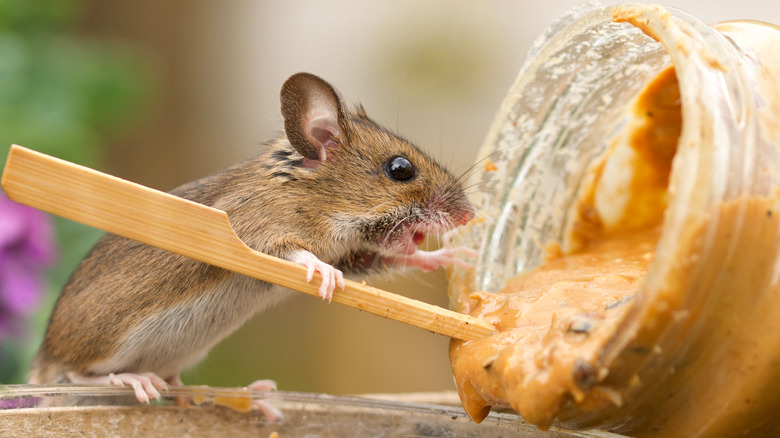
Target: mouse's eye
(399, 169)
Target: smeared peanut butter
(555, 321)
(552, 322)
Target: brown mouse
(337, 193)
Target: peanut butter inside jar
(635, 239)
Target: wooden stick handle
(199, 232)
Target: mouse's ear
(313, 117)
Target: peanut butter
(552, 322)
(555, 320)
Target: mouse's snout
(465, 217)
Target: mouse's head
(376, 183)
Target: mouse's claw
(331, 277)
(432, 260)
(145, 385)
(271, 412)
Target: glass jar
(69, 410)
(698, 351)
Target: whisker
(395, 227)
(485, 217)
(473, 166)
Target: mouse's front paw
(331, 277)
(445, 256)
(432, 260)
(449, 255)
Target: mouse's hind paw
(145, 385)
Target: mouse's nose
(465, 217)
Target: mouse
(336, 192)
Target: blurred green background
(165, 92)
(64, 94)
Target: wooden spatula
(199, 232)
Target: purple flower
(26, 248)
(18, 403)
